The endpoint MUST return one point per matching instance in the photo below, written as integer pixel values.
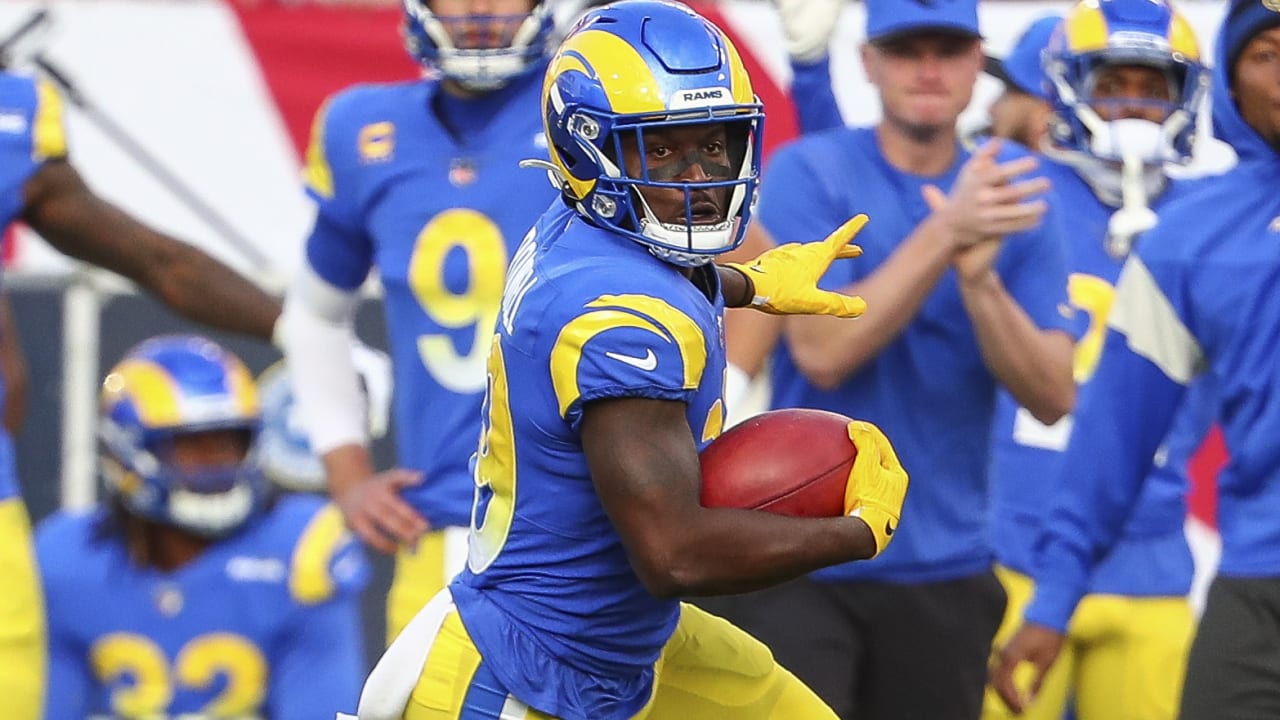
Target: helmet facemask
(210, 500)
(1120, 139)
(178, 421)
(711, 217)
(480, 52)
(626, 75)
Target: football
(792, 462)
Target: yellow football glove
(786, 278)
(877, 483)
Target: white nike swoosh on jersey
(648, 362)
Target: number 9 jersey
(438, 207)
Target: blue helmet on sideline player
(1124, 32)
(169, 387)
(634, 67)
(479, 52)
(283, 449)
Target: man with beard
(965, 275)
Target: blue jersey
(548, 595)
(928, 389)
(263, 624)
(1026, 465)
(1199, 297)
(814, 98)
(31, 133)
(438, 217)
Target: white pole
(82, 306)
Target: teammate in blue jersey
(420, 181)
(968, 286)
(605, 379)
(1124, 104)
(39, 186)
(1198, 298)
(188, 593)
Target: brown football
(791, 462)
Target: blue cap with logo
(889, 20)
(1021, 69)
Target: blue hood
(1228, 124)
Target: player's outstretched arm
(784, 280)
(808, 26)
(60, 207)
(750, 337)
(645, 468)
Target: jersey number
(1094, 296)
(475, 307)
(144, 680)
(495, 470)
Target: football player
(419, 182)
(605, 378)
(39, 186)
(966, 286)
(188, 591)
(1193, 303)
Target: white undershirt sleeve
(316, 332)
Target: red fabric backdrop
(309, 52)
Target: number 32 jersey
(263, 624)
(438, 217)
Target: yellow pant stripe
(22, 630)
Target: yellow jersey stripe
(48, 134)
(310, 581)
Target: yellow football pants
(1124, 657)
(708, 669)
(423, 572)
(22, 629)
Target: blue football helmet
(643, 65)
(498, 48)
(1099, 33)
(283, 450)
(164, 388)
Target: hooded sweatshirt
(1201, 295)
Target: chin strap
(554, 175)
(1134, 216)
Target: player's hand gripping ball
(791, 462)
(807, 463)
